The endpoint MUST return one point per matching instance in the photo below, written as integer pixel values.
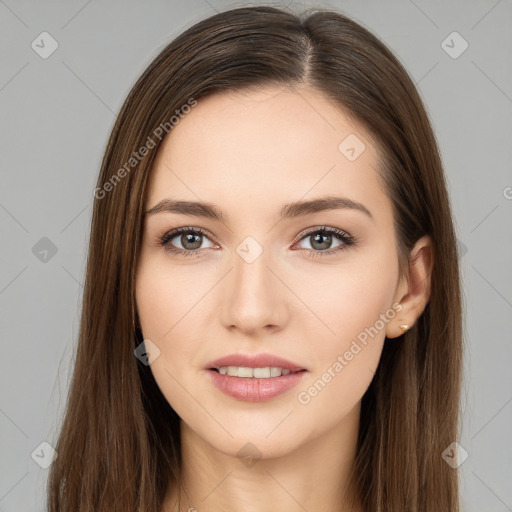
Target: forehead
(272, 145)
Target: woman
(272, 312)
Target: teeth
(257, 373)
(275, 372)
(233, 371)
(242, 372)
(261, 373)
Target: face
(315, 285)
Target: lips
(254, 361)
(252, 389)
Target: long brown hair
(119, 444)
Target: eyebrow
(291, 210)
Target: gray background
(56, 116)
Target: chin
(253, 446)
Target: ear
(413, 290)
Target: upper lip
(255, 361)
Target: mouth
(247, 372)
(254, 378)
(258, 366)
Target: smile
(256, 373)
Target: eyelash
(348, 240)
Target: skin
(249, 154)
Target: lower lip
(255, 390)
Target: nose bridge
(254, 299)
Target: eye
(189, 241)
(321, 241)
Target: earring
(404, 327)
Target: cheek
(164, 295)
(162, 308)
(354, 306)
(163, 300)
(171, 305)
(153, 303)
(350, 296)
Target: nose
(254, 300)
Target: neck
(314, 477)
